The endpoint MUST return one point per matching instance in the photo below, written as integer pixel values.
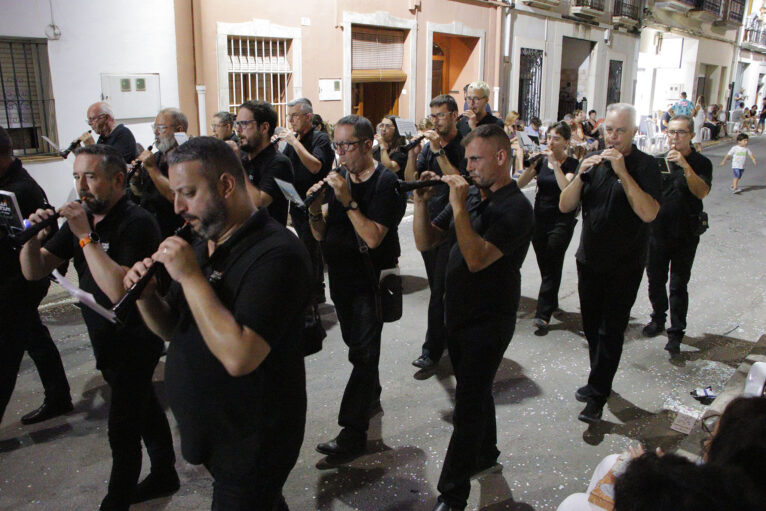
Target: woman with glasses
(388, 150)
(554, 169)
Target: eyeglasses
(616, 131)
(440, 115)
(472, 99)
(240, 125)
(345, 146)
(382, 126)
(91, 120)
(295, 114)
(673, 133)
(216, 126)
(159, 128)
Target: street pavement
(63, 464)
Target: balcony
(734, 13)
(542, 4)
(707, 10)
(587, 8)
(754, 38)
(682, 6)
(626, 12)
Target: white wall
(108, 36)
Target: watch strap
(84, 241)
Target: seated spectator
(592, 129)
(665, 119)
(510, 123)
(711, 121)
(738, 115)
(721, 119)
(533, 130)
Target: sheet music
(289, 191)
(84, 297)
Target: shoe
(443, 506)
(156, 485)
(653, 329)
(540, 324)
(737, 190)
(673, 345)
(341, 448)
(48, 410)
(491, 468)
(424, 362)
(591, 413)
(584, 393)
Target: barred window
(26, 95)
(259, 69)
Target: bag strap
(364, 249)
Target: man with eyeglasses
(312, 157)
(675, 233)
(256, 122)
(476, 114)
(154, 194)
(443, 155)
(223, 127)
(101, 120)
(619, 190)
(363, 212)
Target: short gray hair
(225, 117)
(104, 108)
(177, 117)
(304, 103)
(623, 108)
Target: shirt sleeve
(511, 226)
(62, 243)
(651, 181)
(125, 144)
(422, 163)
(278, 168)
(138, 239)
(443, 219)
(323, 152)
(732, 151)
(705, 171)
(385, 207)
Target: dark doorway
(375, 100)
(614, 82)
(530, 83)
(575, 66)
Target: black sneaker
(541, 325)
(591, 413)
(48, 410)
(156, 485)
(584, 393)
(424, 362)
(673, 345)
(653, 329)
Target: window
(259, 69)
(377, 54)
(26, 96)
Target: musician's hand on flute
(37, 217)
(427, 192)
(135, 273)
(288, 136)
(316, 204)
(179, 260)
(590, 162)
(235, 147)
(616, 158)
(149, 161)
(458, 190)
(86, 138)
(340, 187)
(434, 139)
(77, 218)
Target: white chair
(705, 134)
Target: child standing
(739, 154)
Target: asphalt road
(547, 453)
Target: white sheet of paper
(84, 297)
(407, 127)
(683, 423)
(289, 191)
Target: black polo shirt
(548, 191)
(127, 234)
(261, 171)
(680, 208)
(15, 291)
(506, 220)
(123, 140)
(318, 144)
(398, 156)
(427, 160)
(233, 137)
(612, 234)
(154, 202)
(464, 128)
(260, 275)
(379, 201)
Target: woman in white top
(698, 113)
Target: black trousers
(436, 268)
(135, 415)
(605, 303)
(303, 228)
(676, 254)
(550, 240)
(354, 303)
(21, 329)
(476, 352)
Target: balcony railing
(755, 32)
(628, 8)
(592, 4)
(713, 7)
(736, 11)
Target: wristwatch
(440, 152)
(90, 238)
(351, 205)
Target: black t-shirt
(398, 156)
(506, 220)
(123, 140)
(154, 202)
(665, 118)
(318, 144)
(464, 128)
(427, 160)
(15, 291)
(379, 201)
(262, 170)
(680, 208)
(127, 234)
(612, 234)
(548, 191)
(259, 274)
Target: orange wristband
(84, 241)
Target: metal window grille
(755, 32)
(26, 96)
(627, 8)
(593, 4)
(259, 70)
(376, 48)
(736, 10)
(530, 83)
(713, 6)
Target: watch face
(94, 237)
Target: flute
(31, 230)
(325, 186)
(406, 186)
(73, 145)
(135, 167)
(122, 307)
